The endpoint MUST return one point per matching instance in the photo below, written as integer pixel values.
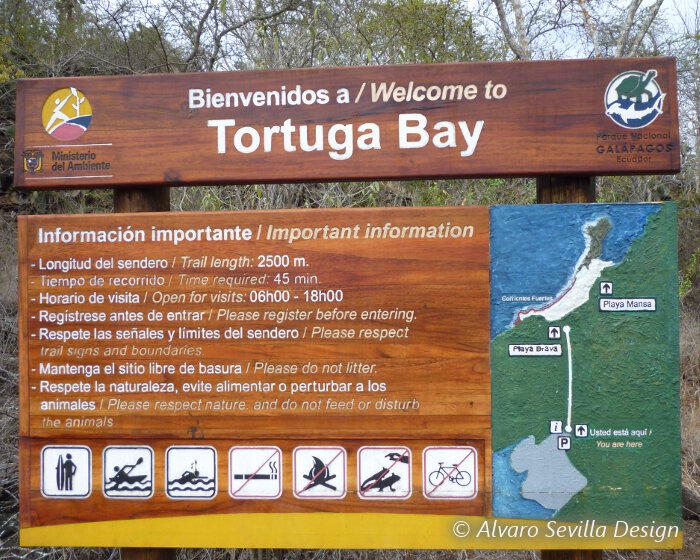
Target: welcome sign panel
(195, 379)
(589, 117)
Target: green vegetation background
(46, 38)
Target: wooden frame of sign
(455, 120)
(582, 117)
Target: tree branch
(639, 37)
(515, 45)
(590, 28)
(627, 28)
(198, 34)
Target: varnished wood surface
(443, 364)
(551, 120)
(46, 511)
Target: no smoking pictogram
(255, 472)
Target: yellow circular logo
(66, 114)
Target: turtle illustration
(634, 86)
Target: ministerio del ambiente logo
(66, 114)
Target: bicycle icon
(452, 474)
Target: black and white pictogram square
(450, 473)
(127, 471)
(255, 472)
(190, 472)
(319, 473)
(554, 332)
(384, 473)
(556, 427)
(66, 471)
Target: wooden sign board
(321, 378)
(587, 117)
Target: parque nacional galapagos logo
(634, 99)
(66, 114)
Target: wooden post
(558, 190)
(146, 199)
(561, 189)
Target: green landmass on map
(597, 233)
(625, 375)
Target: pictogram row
(255, 472)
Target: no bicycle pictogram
(255, 472)
(320, 472)
(450, 473)
(384, 473)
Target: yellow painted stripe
(341, 530)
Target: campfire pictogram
(319, 475)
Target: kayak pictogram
(127, 471)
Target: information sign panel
(588, 117)
(257, 369)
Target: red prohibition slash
(319, 473)
(449, 474)
(247, 480)
(364, 493)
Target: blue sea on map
(508, 500)
(534, 249)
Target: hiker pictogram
(384, 473)
(66, 471)
(190, 472)
(450, 473)
(320, 472)
(255, 472)
(127, 471)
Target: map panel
(585, 373)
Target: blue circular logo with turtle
(634, 99)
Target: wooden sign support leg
(560, 189)
(147, 199)
(557, 190)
